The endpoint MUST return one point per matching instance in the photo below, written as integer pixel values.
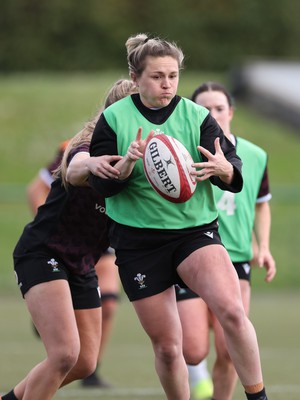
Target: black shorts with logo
(149, 264)
(34, 268)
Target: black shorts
(184, 293)
(243, 270)
(150, 267)
(34, 268)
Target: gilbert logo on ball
(168, 167)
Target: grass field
(128, 362)
(36, 113)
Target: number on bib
(227, 203)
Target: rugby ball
(168, 166)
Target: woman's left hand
(216, 165)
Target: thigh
(194, 319)
(246, 294)
(51, 309)
(108, 275)
(159, 317)
(209, 272)
(89, 325)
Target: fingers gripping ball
(167, 165)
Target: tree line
(73, 35)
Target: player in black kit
(54, 264)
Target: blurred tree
(90, 35)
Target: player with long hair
(54, 262)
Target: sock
(9, 396)
(257, 396)
(198, 373)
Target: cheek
(147, 88)
(221, 120)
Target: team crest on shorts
(54, 265)
(141, 280)
(20, 284)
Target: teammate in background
(159, 243)
(240, 216)
(195, 321)
(54, 264)
(37, 192)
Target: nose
(166, 82)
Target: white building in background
(271, 87)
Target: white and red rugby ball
(168, 167)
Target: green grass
(128, 362)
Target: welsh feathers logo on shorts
(141, 280)
(54, 265)
(20, 284)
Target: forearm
(37, 192)
(262, 226)
(78, 170)
(125, 167)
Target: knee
(109, 307)
(65, 359)
(234, 320)
(168, 352)
(194, 355)
(85, 367)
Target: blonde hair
(140, 46)
(120, 89)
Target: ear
(231, 111)
(133, 77)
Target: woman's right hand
(137, 147)
(134, 153)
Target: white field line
(121, 392)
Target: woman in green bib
(240, 214)
(159, 243)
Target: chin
(164, 102)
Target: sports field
(36, 113)
(128, 362)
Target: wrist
(129, 158)
(227, 176)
